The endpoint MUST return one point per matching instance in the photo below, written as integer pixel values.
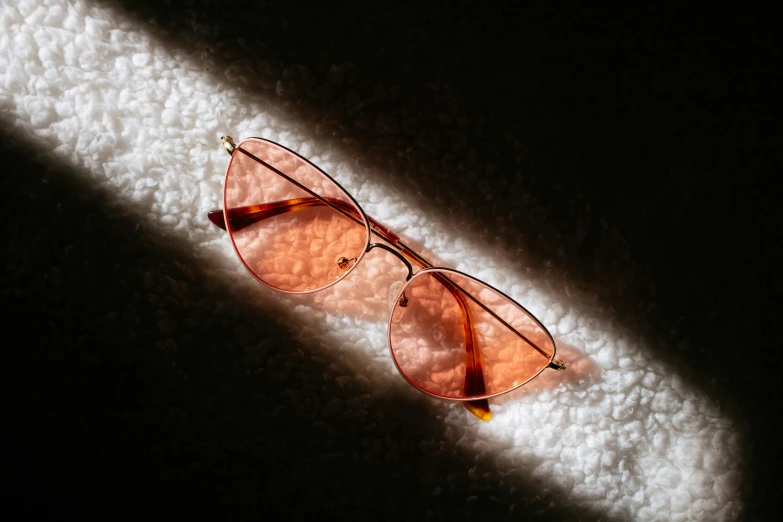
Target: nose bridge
(397, 254)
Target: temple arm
(243, 217)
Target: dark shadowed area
(644, 144)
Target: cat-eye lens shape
(297, 230)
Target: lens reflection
(297, 232)
(502, 348)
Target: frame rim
(478, 397)
(350, 197)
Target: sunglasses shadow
(580, 373)
(366, 292)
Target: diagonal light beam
(630, 439)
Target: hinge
(228, 144)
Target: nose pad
(394, 294)
(341, 264)
(346, 262)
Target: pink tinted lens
(299, 234)
(438, 353)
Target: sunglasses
(298, 231)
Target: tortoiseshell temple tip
(479, 408)
(216, 217)
(557, 365)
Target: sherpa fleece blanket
(135, 111)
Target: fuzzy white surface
(619, 433)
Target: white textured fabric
(619, 433)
